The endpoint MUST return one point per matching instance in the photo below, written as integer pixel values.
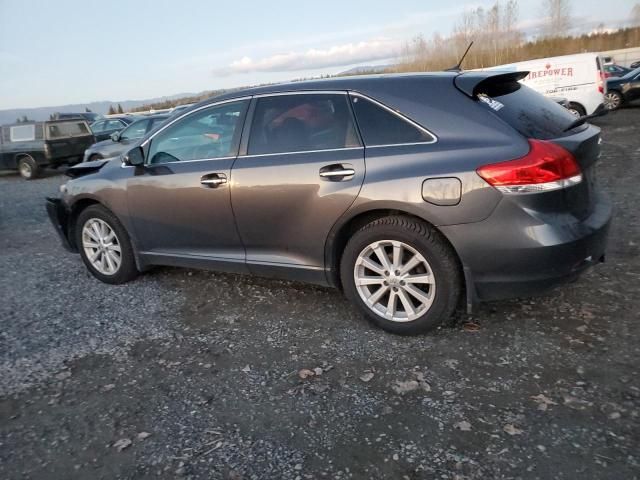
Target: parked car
(90, 117)
(579, 78)
(622, 90)
(102, 129)
(28, 147)
(121, 141)
(613, 70)
(181, 108)
(475, 184)
(635, 65)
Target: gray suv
(408, 192)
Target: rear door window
(67, 129)
(300, 123)
(380, 126)
(530, 113)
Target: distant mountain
(102, 107)
(366, 69)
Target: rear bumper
(515, 254)
(60, 219)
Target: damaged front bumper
(59, 217)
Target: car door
(633, 90)
(301, 167)
(179, 201)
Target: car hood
(86, 168)
(103, 143)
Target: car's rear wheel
(576, 110)
(104, 246)
(28, 167)
(402, 274)
(612, 100)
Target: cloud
(313, 58)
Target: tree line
(498, 39)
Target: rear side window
(530, 113)
(302, 122)
(22, 133)
(67, 129)
(379, 126)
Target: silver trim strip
(400, 115)
(303, 92)
(347, 172)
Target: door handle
(337, 171)
(213, 180)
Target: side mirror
(134, 157)
(115, 136)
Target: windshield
(632, 73)
(135, 130)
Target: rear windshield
(530, 113)
(67, 129)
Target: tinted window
(68, 129)
(23, 133)
(135, 130)
(295, 123)
(97, 127)
(210, 133)
(530, 113)
(379, 126)
(114, 125)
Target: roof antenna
(457, 67)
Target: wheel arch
(348, 225)
(579, 107)
(82, 204)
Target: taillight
(546, 167)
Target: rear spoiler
(471, 83)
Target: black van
(28, 147)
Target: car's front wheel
(104, 246)
(613, 100)
(402, 274)
(28, 167)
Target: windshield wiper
(598, 112)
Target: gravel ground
(196, 374)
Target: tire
(413, 237)
(577, 110)
(613, 100)
(28, 168)
(126, 269)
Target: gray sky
(76, 51)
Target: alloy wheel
(611, 101)
(101, 246)
(25, 170)
(394, 280)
